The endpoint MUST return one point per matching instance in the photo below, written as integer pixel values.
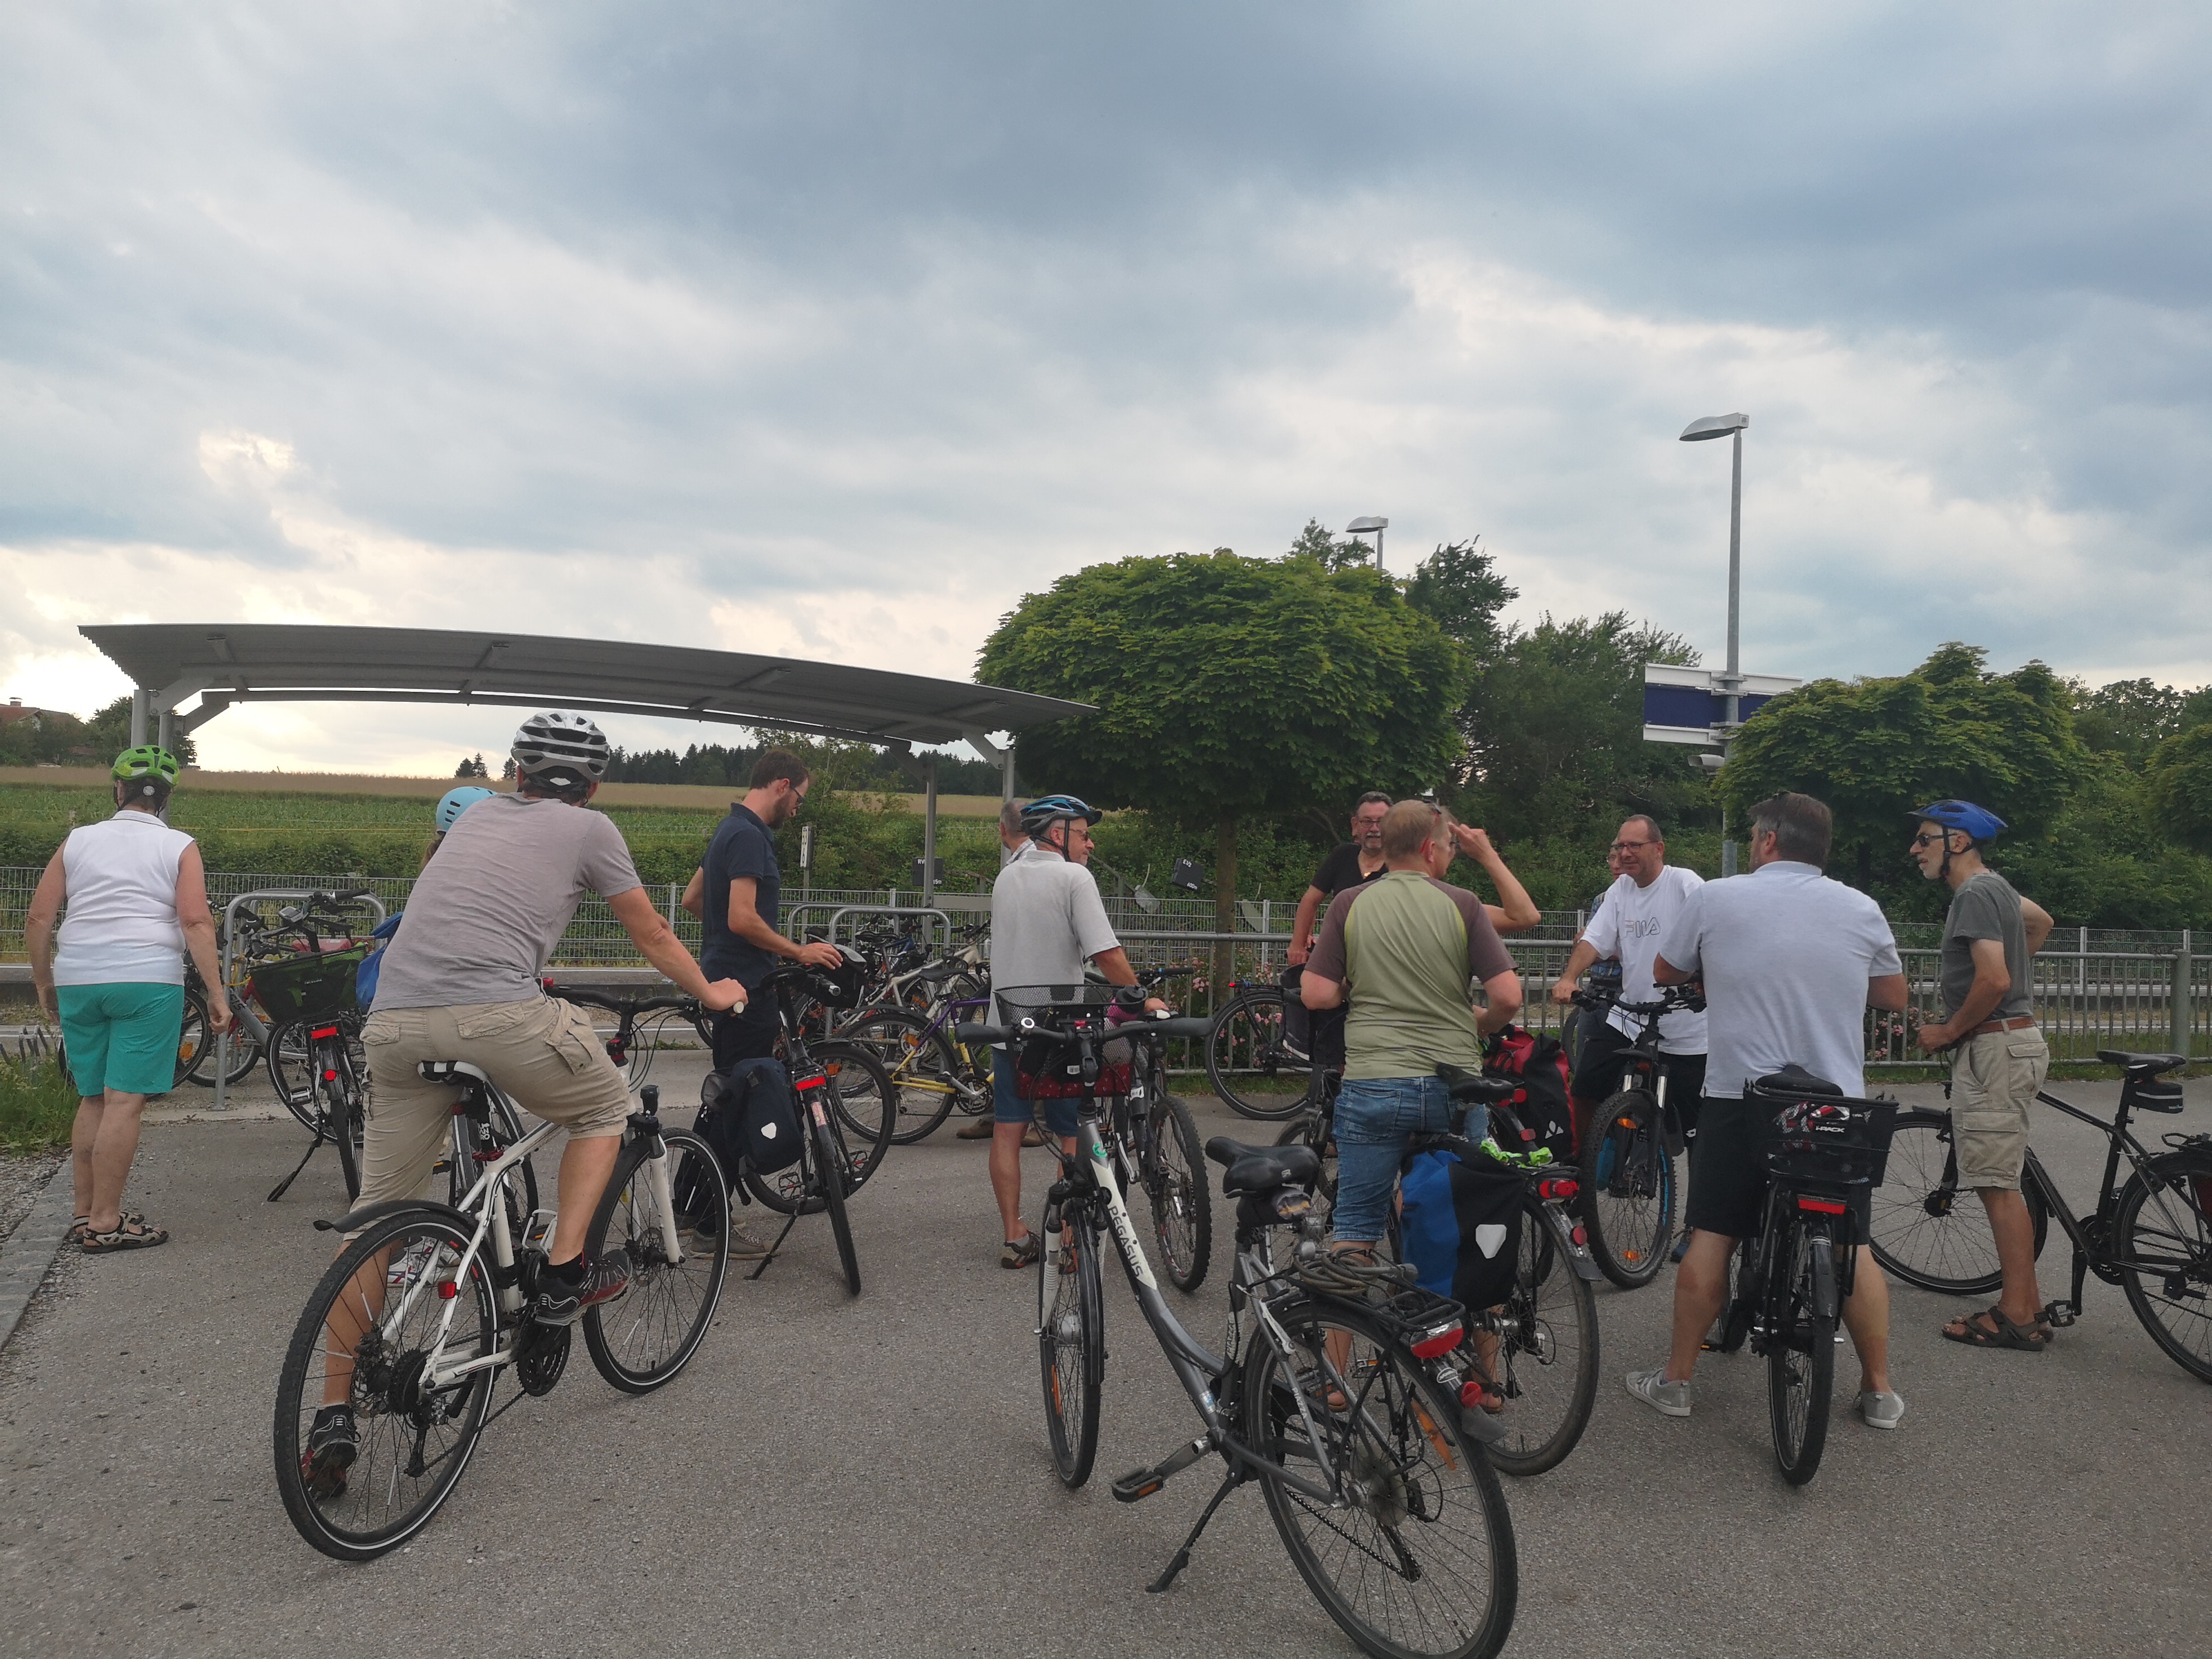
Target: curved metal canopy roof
(283, 662)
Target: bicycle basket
(307, 988)
(1046, 1069)
(1826, 1140)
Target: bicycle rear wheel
(2163, 1239)
(920, 1064)
(1071, 1347)
(1545, 1362)
(1927, 1228)
(1172, 1168)
(1247, 1062)
(866, 1107)
(365, 1336)
(1628, 1190)
(1800, 1352)
(196, 1047)
(828, 1157)
(341, 1100)
(1419, 1558)
(642, 1339)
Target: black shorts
(1604, 1059)
(1728, 1175)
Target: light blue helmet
(457, 801)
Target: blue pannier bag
(1460, 1224)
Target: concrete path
(869, 1477)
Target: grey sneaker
(1652, 1388)
(744, 1247)
(1880, 1408)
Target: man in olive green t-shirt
(1403, 951)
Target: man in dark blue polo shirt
(736, 895)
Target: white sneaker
(1880, 1408)
(1652, 1388)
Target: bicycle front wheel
(1628, 1190)
(1927, 1228)
(1546, 1357)
(366, 1340)
(1246, 1061)
(1072, 1348)
(922, 1065)
(827, 1156)
(2163, 1239)
(1415, 1557)
(865, 1102)
(642, 1339)
(1801, 1354)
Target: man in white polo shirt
(1790, 960)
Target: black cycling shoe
(558, 1303)
(333, 1443)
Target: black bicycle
(2151, 1234)
(1325, 1395)
(1826, 1154)
(313, 997)
(1154, 1145)
(1250, 1060)
(1629, 1185)
(429, 1303)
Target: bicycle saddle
(1476, 1085)
(456, 1072)
(1263, 1168)
(2152, 1065)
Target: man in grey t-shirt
(2001, 1058)
(1791, 961)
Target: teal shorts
(122, 1036)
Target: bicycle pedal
(1141, 1483)
(2060, 1314)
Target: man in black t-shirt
(1358, 860)
(736, 893)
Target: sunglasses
(1930, 841)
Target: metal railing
(2094, 987)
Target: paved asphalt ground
(869, 1477)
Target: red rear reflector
(1437, 1343)
(1824, 1206)
(811, 1082)
(447, 1290)
(319, 1031)
(1580, 1234)
(1561, 1189)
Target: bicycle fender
(1563, 1235)
(2192, 1158)
(353, 1220)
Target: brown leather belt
(1991, 1027)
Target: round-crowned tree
(1228, 685)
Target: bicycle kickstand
(790, 1221)
(1229, 1482)
(279, 1190)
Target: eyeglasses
(1621, 846)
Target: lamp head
(1713, 426)
(1363, 526)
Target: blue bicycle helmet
(1041, 814)
(1978, 821)
(457, 801)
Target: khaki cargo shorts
(542, 1053)
(1996, 1079)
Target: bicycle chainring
(541, 1354)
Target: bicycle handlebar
(629, 1005)
(990, 1034)
(1673, 999)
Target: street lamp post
(1729, 426)
(1367, 526)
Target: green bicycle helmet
(147, 761)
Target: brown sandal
(2000, 1333)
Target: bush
(38, 1103)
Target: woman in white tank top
(135, 893)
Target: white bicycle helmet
(557, 742)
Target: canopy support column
(142, 700)
(929, 827)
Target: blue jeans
(1374, 1115)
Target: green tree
(1229, 686)
(1873, 749)
(2177, 786)
(1317, 543)
(1459, 586)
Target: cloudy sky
(831, 329)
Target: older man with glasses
(1647, 894)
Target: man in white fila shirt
(1636, 910)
